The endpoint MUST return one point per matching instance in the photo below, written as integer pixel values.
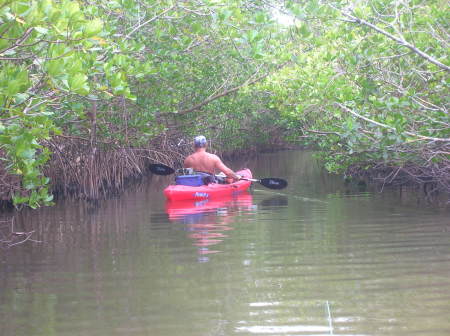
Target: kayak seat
(194, 180)
(189, 177)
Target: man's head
(200, 141)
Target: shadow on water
(275, 201)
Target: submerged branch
(9, 237)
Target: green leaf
(41, 30)
(260, 17)
(225, 14)
(93, 28)
(21, 97)
(13, 87)
(19, 200)
(78, 84)
(27, 154)
(304, 31)
(196, 27)
(30, 185)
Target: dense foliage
(82, 78)
(94, 89)
(371, 86)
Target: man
(203, 161)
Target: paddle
(161, 169)
(269, 182)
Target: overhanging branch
(229, 91)
(421, 137)
(400, 41)
(148, 21)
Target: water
(318, 258)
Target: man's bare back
(203, 161)
(206, 162)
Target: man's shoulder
(188, 159)
(213, 156)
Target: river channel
(320, 257)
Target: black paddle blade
(160, 169)
(273, 183)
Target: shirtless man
(206, 162)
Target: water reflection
(316, 258)
(208, 220)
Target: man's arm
(188, 162)
(227, 171)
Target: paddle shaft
(249, 179)
(241, 178)
(269, 182)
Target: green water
(318, 258)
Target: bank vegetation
(91, 92)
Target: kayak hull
(212, 190)
(190, 208)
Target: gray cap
(200, 141)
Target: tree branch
(229, 91)
(19, 41)
(421, 137)
(401, 41)
(148, 21)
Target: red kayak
(212, 190)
